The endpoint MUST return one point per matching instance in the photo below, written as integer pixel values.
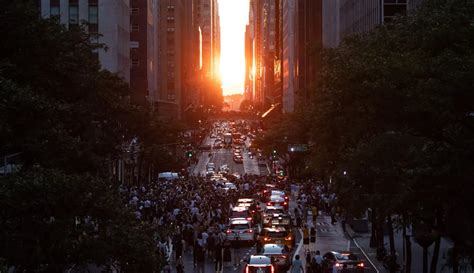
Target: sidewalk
(363, 241)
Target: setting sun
(233, 18)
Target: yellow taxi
(277, 235)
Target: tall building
(309, 40)
(206, 18)
(110, 18)
(171, 34)
(289, 61)
(248, 91)
(144, 50)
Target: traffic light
(189, 154)
(274, 151)
(282, 173)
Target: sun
(233, 19)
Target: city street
(329, 237)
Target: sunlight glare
(233, 19)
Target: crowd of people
(191, 214)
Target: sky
(233, 18)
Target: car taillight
(288, 238)
(272, 269)
(286, 197)
(229, 231)
(247, 269)
(338, 265)
(249, 218)
(250, 231)
(267, 239)
(269, 204)
(360, 265)
(285, 203)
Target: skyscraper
(109, 18)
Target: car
(224, 168)
(210, 172)
(281, 220)
(279, 255)
(259, 264)
(250, 203)
(277, 235)
(342, 262)
(271, 211)
(211, 165)
(238, 159)
(240, 231)
(240, 212)
(277, 200)
(230, 186)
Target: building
(248, 92)
(144, 50)
(206, 18)
(289, 55)
(309, 41)
(171, 35)
(110, 18)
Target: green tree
(394, 107)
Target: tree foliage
(67, 117)
(394, 109)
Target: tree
(83, 113)
(394, 107)
(52, 221)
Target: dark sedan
(342, 262)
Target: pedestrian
(297, 266)
(333, 215)
(306, 237)
(200, 258)
(218, 256)
(179, 265)
(317, 262)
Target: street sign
(297, 148)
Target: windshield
(239, 226)
(346, 257)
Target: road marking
(366, 256)
(300, 244)
(348, 245)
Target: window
(73, 14)
(135, 63)
(171, 29)
(134, 44)
(135, 28)
(170, 8)
(93, 15)
(170, 96)
(134, 11)
(54, 11)
(170, 19)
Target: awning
(274, 106)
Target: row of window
(73, 10)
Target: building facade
(144, 50)
(289, 55)
(110, 18)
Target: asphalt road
(329, 237)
